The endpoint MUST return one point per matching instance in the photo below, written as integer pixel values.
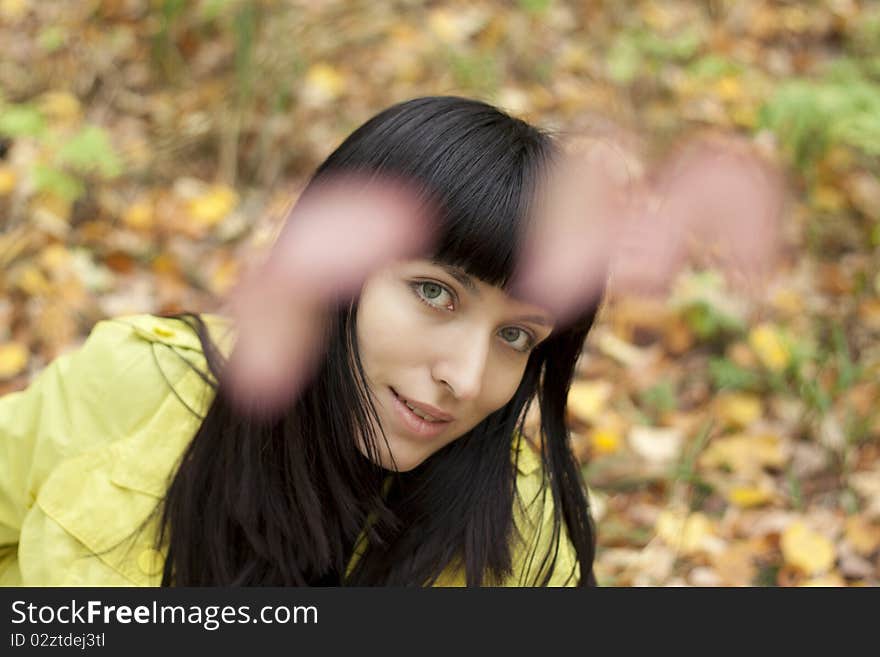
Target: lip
(433, 411)
(415, 424)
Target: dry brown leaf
(863, 534)
(735, 564)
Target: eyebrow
(458, 274)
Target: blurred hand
(600, 210)
(713, 199)
(338, 233)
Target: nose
(463, 365)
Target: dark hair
(279, 502)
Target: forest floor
(148, 148)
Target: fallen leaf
(867, 484)
(744, 453)
(738, 409)
(704, 576)
(139, 215)
(605, 440)
(852, 564)
(587, 399)
(61, 106)
(749, 496)
(770, 347)
(656, 444)
(33, 281)
(863, 535)
(827, 580)
(14, 10)
(685, 532)
(620, 350)
(13, 359)
(806, 549)
(735, 564)
(212, 206)
(7, 180)
(323, 84)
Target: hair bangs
(477, 164)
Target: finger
(338, 233)
(730, 202)
(564, 261)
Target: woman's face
(448, 344)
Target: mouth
(416, 421)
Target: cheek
(500, 386)
(388, 331)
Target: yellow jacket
(86, 451)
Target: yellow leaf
(139, 215)
(587, 399)
(33, 282)
(729, 88)
(795, 19)
(770, 347)
(224, 276)
(55, 258)
(745, 115)
(61, 106)
(605, 440)
(738, 409)
(828, 198)
(214, 205)
(788, 301)
(12, 10)
(806, 550)
(863, 535)
(51, 208)
(744, 453)
(749, 496)
(323, 84)
(13, 359)
(830, 579)
(443, 23)
(689, 533)
(7, 180)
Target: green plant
(641, 50)
(659, 398)
(727, 375)
(67, 161)
(809, 116)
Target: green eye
(431, 290)
(430, 293)
(512, 333)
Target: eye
(518, 338)
(431, 294)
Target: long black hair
(281, 501)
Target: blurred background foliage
(147, 147)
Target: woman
(402, 460)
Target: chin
(404, 464)
(405, 457)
